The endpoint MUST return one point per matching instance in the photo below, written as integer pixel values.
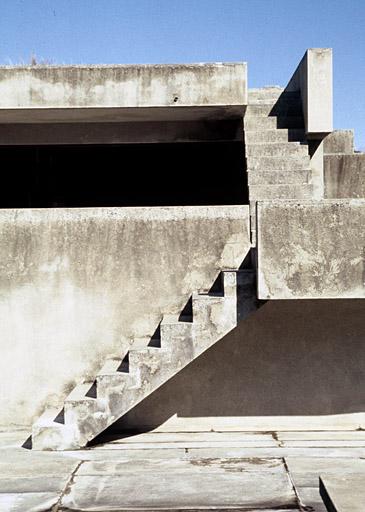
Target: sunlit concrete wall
(292, 365)
(311, 250)
(76, 285)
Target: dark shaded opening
(168, 174)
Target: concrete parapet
(344, 176)
(311, 250)
(79, 93)
(339, 141)
(313, 78)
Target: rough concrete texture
(201, 470)
(311, 250)
(149, 366)
(339, 141)
(344, 176)
(78, 284)
(264, 374)
(343, 493)
(313, 78)
(49, 90)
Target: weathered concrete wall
(313, 78)
(311, 250)
(344, 170)
(339, 141)
(293, 365)
(69, 93)
(77, 284)
(344, 176)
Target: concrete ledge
(313, 78)
(311, 250)
(46, 91)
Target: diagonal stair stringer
(123, 383)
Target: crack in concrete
(301, 506)
(67, 489)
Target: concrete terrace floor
(246, 471)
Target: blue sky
(271, 35)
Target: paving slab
(311, 499)
(202, 437)
(28, 502)
(324, 443)
(343, 435)
(25, 463)
(305, 471)
(276, 452)
(187, 445)
(343, 494)
(174, 490)
(33, 484)
(180, 466)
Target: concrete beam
(122, 93)
(14, 134)
(312, 250)
(313, 78)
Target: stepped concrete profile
(153, 208)
(121, 384)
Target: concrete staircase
(122, 383)
(277, 158)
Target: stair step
(264, 92)
(271, 94)
(50, 435)
(296, 177)
(272, 136)
(272, 122)
(145, 362)
(261, 192)
(110, 366)
(276, 149)
(269, 163)
(123, 382)
(111, 380)
(177, 338)
(285, 99)
(278, 110)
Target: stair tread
(47, 417)
(110, 366)
(79, 392)
(180, 344)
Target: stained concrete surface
(78, 284)
(122, 92)
(143, 471)
(344, 176)
(264, 374)
(311, 250)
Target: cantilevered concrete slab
(122, 92)
(311, 250)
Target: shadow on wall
(290, 358)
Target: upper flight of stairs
(122, 383)
(277, 158)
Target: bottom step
(257, 192)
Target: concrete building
(178, 248)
